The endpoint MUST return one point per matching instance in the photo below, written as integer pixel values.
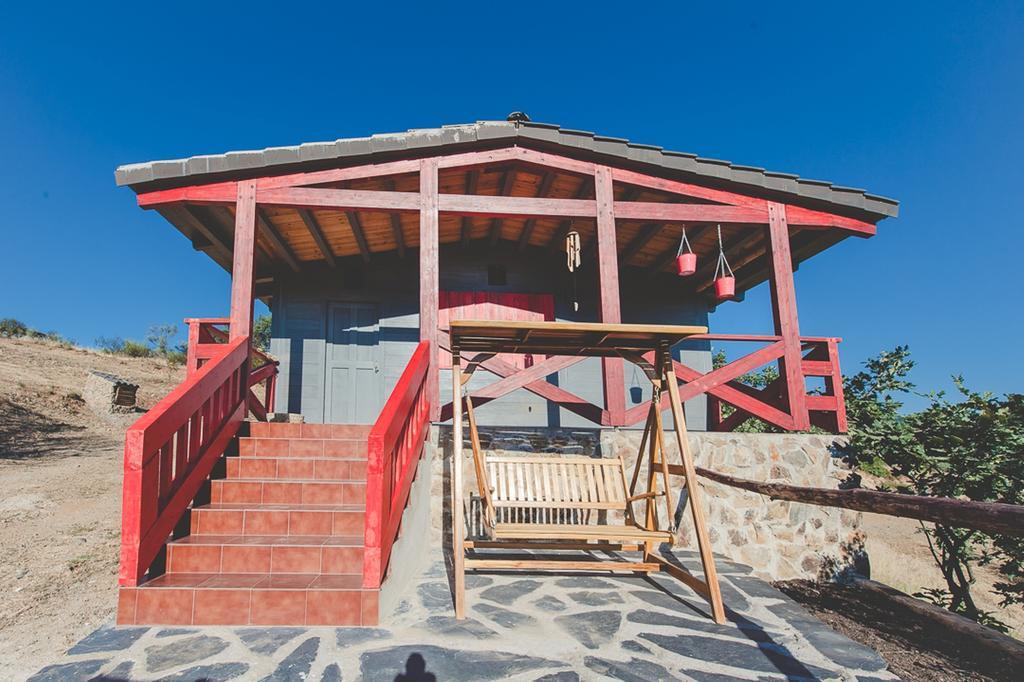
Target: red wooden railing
(393, 451)
(169, 452)
(207, 339)
(819, 358)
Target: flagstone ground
(520, 627)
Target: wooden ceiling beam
(472, 179)
(396, 224)
(267, 228)
(318, 236)
(559, 235)
(359, 234)
(508, 181)
(197, 225)
(545, 187)
(642, 239)
(227, 221)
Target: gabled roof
(450, 138)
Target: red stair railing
(207, 340)
(394, 446)
(170, 451)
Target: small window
(496, 276)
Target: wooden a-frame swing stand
(552, 502)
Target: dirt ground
(915, 647)
(60, 495)
(899, 556)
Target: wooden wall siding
(299, 306)
(494, 305)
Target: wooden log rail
(393, 452)
(169, 452)
(207, 340)
(988, 517)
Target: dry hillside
(60, 482)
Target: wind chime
(725, 284)
(572, 261)
(686, 259)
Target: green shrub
(135, 349)
(261, 333)
(12, 328)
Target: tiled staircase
(281, 542)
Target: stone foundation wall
(779, 540)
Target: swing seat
(549, 497)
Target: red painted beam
(242, 269)
(787, 325)
(429, 224)
(685, 189)
(608, 290)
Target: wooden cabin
(364, 249)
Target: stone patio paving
(520, 627)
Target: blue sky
(921, 102)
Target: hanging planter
(725, 280)
(686, 259)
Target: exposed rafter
(269, 231)
(545, 186)
(642, 239)
(508, 181)
(472, 177)
(197, 224)
(558, 236)
(357, 232)
(222, 215)
(396, 224)
(318, 236)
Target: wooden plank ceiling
(289, 238)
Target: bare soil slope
(60, 496)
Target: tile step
(294, 468)
(266, 555)
(280, 430)
(248, 599)
(258, 491)
(278, 519)
(350, 448)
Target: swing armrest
(644, 496)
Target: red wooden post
(242, 268)
(429, 276)
(608, 292)
(784, 311)
(834, 385)
(192, 357)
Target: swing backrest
(536, 487)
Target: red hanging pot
(686, 264)
(725, 287)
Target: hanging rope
(683, 243)
(572, 261)
(723, 264)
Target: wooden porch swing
(553, 502)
